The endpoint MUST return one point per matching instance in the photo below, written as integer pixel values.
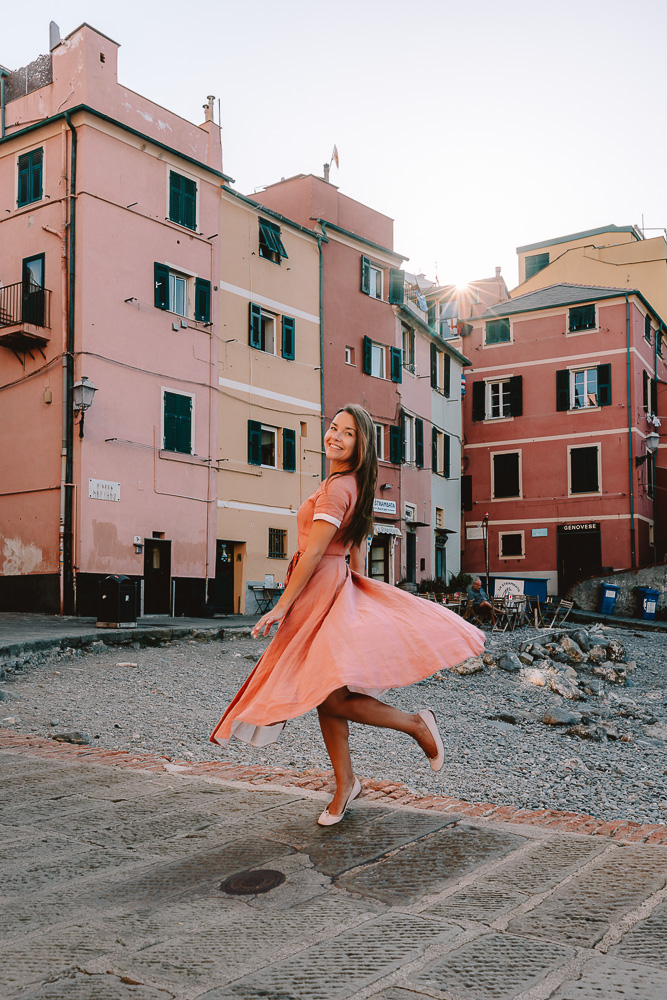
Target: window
(584, 469)
(497, 398)
(30, 177)
(408, 438)
(511, 544)
(277, 543)
(271, 246)
(379, 440)
(263, 332)
(33, 291)
(408, 347)
(505, 475)
(650, 477)
(579, 388)
(177, 422)
(395, 445)
(349, 355)
(263, 446)
(658, 340)
(375, 360)
(649, 393)
(497, 331)
(289, 450)
(371, 279)
(439, 517)
(440, 452)
(466, 493)
(582, 318)
(410, 512)
(536, 262)
(173, 293)
(647, 329)
(441, 371)
(182, 200)
(447, 313)
(268, 447)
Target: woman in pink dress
(343, 638)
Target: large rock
(609, 672)
(564, 686)
(595, 733)
(538, 652)
(597, 654)
(572, 650)
(489, 660)
(557, 716)
(509, 661)
(533, 675)
(615, 651)
(472, 665)
(74, 736)
(582, 640)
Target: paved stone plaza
(112, 866)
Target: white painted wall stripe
(255, 390)
(555, 437)
(562, 361)
(580, 519)
(262, 300)
(258, 508)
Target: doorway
(441, 558)
(378, 563)
(579, 553)
(33, 290)
(224, 578)
(411, 556)
(157, 576)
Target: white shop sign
(103, 489)
(508, 588)
(384, 506)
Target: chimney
(54, 35)
(497, 272)
(326, 172)
(208, 108)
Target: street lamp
(485, 533)
(651, 441)
(82, 397)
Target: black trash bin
(117, 603)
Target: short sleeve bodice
(334, 502)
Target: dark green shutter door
(447, 376)
(396, 364)
(434, 450)
(516, 395)
(288, 338)
(189, 204)
(396, 286)
(446, 458)
(419, 443)
(404, 436)
(289, 450)
(175, 197)
(254, 442)
(478, 400)
(161, 281)
(36, 175)
(368, 344)
(654, 396)
(202, 300)
(434, 366)
(255, 325)
(395, 445)
(365, 275)
(563, 389)
(177, 423)
(604, 385)
(24, 179)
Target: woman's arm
(320, 536)
(358, 558)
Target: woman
(342, 638)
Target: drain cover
(251, 883)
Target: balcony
(25, 316)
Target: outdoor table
(264, 596)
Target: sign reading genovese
(583, 526)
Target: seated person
(480, 602)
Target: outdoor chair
(561, 612)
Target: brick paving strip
(314, 779)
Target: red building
(560, 402)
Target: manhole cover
(251, 883)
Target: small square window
(498, 331)
(349, 356)
(582, 318)
(584, 469)
(277, 543)
(511, 544)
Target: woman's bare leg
(335, 731)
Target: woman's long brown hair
(364, 465)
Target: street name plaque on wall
(103, 489)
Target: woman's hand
(268, 620)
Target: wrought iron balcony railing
(25, 304)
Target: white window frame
(439, 517)
(349, 356)
(174, 277)
(574, 447)
(501, 343)
(440, 451)
(409, 332)
(410, 455)
(508, 451)
(268, 317)
(410, 511)
(191, 396)
(274, 432)
(505, 404)
(379, 440)
(501, 535)
(375, 281)
(584, 370)
(378, 360)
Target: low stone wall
(588, 594)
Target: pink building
(559, 406)
(108, 268)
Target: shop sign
(508, 588)
(384, 506)
(584, 526)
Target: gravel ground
(167, 699)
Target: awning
(386, 529)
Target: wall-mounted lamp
(82, 397)
(386, 486)
(652, 441)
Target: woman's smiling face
(340, 441)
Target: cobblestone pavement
(112, 866)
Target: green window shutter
(516, 395)
(175, 196)
(255, 325)
(434, 366)
(645, 389)
(189, 203)
(30, 177)
(254, 442)
(36, 157)
(447, 457)
(395, 445)
(368, 345)
(479, 400)
(434, 450)
(447, 375)
(498, 331)
(536, 263)
(24, 179)
(404, 435)
(647, 328)
(365, 275)
(161, 282)
(396, 286)
(604, 385)
(654, 395)
(289, 450)
(431, 314)
(202, 300)
(177, 423)
(563, 389)
(182, 200)
(288, 338)
(396, 364)
(419, 443)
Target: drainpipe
(319, 247)
(4, 73)
(68, 380)
(653, 459)
(633, 557)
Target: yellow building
(270, 396)
(612, 257)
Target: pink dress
(343, 630)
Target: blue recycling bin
(648, 602)
(609, 594)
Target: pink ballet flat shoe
(428, 715)
(330, 819)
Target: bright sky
(477, 125)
